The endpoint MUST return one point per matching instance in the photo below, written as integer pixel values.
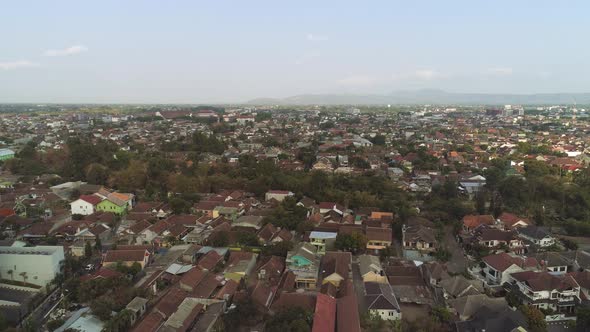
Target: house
(458, 286)
(326, 207)
(324, 319)
(191, 279)
(347, 314)
(512, 221)
(498, 267)
(471, 222)
(419, 242)
(465, 307)
(381, 301)
(498, 239)
(537, 236)
(336, 267)
(126, 257)
(137, 307)
(472, 184)
(323, 241)
(116, 203)
(543, 290)
(85, 205)
(239, 265)
(378, 238)
(278, 195)
(583, 279)
(304, 263)
(371, 269)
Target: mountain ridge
(428, 96)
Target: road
(359, 286)
(39, 314)
(458, 262)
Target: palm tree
(24, 275)
(11, 274)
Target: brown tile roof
(503, 261)
(237, 256)
(379, 234)
(336, 262)
(139, 226)
(169, 303)
(229, 289)
(207, 286)
(113, 256)
(324, 319)
(262, 294)
(150, 323)
(159, 227)
(544, 281)
(473, 221)
(347, 315)
(193, 277)
(289, 300)
(210, 260)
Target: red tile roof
(324, 319)
(150, 323)
(92, 199)
(193, 277)
(473, 221)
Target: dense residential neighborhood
(315, 218)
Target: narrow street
(359, 287)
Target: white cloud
(17, 64)
(357, 80)
(500, 71)
(314, 37)
(76, 49)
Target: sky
(232, 51)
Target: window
(391, 313)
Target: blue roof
(322, 235)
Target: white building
(85, 205)
(381, 301)
(278, 195)
(35, 265)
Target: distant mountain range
(428, 97)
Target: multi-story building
(304, 263)
(34, 265)
(544, 290)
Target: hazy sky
(232, 51)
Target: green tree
(583, 317)
(350, 242)
(88, 250)
(535, 318)
(98, 244)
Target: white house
(537, 236)
(544, 290)
(498, 267)
(85, 205)
(381, 301)
(35, 265)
